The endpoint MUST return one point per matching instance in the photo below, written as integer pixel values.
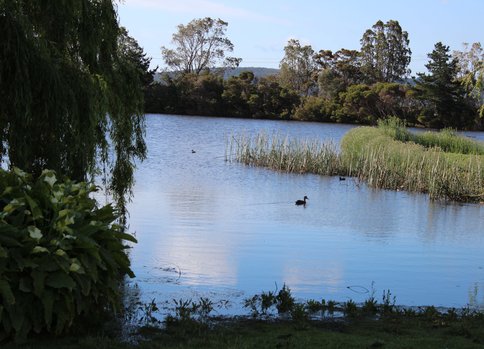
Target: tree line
(344, 86)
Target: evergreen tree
(442, 94)
(200, 46)
(385, 52)
(70, 86)
(298, 68)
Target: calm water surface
(210, 228)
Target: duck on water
(302, 202)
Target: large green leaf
(48, 303)
(3, 252)
(38, 278)
(17, 315)
(60, 279)
(125, 236)
(8, 241)
(25, 285)
(34, 208)
(6, 292)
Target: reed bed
(448, 140)
(376, 156)
(370, 154)
(284, 154)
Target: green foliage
(71, 90)
(350, 308)
(371, 154)
(284, 154)
(395, 128)
(444, 98)
(449, 141)
(314, 108)
(385, 52)
(388, 303)
(347, 86)
(200, 45)
(285, 300)
(471, 73)
(446, 139)
(298, 68)
(446, 166)
(61, 257)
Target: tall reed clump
(284, 154)
(392, 158)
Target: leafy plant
(388, 303)
(350, 309)
(252, 304)
(183, 309)
(313, 306)
(147, 313)
(61, 257)
(331, 307)
(285, 300)
(299, 313)
(370, 306)
(267, 300)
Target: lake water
(211, 228)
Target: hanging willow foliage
(71, 91)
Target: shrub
(61, 257)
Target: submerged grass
(443, 164)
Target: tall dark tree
(471, 74)
(442, 94)
(200, 46)
(70, 86)
(298, 68)
(385, 52)
(338, 71)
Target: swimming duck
(302, 202)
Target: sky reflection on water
(207, 227)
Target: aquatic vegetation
(443, 164)
(371, 155)
(284, 154)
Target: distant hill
(259, 72)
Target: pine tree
(441, 93)
(385, 52)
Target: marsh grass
(284, 154)
(447, 140)
(388, 157)
(371, 155)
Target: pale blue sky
(260, 29)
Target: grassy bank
(442, 164)
(278, 320)
(390, 332)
